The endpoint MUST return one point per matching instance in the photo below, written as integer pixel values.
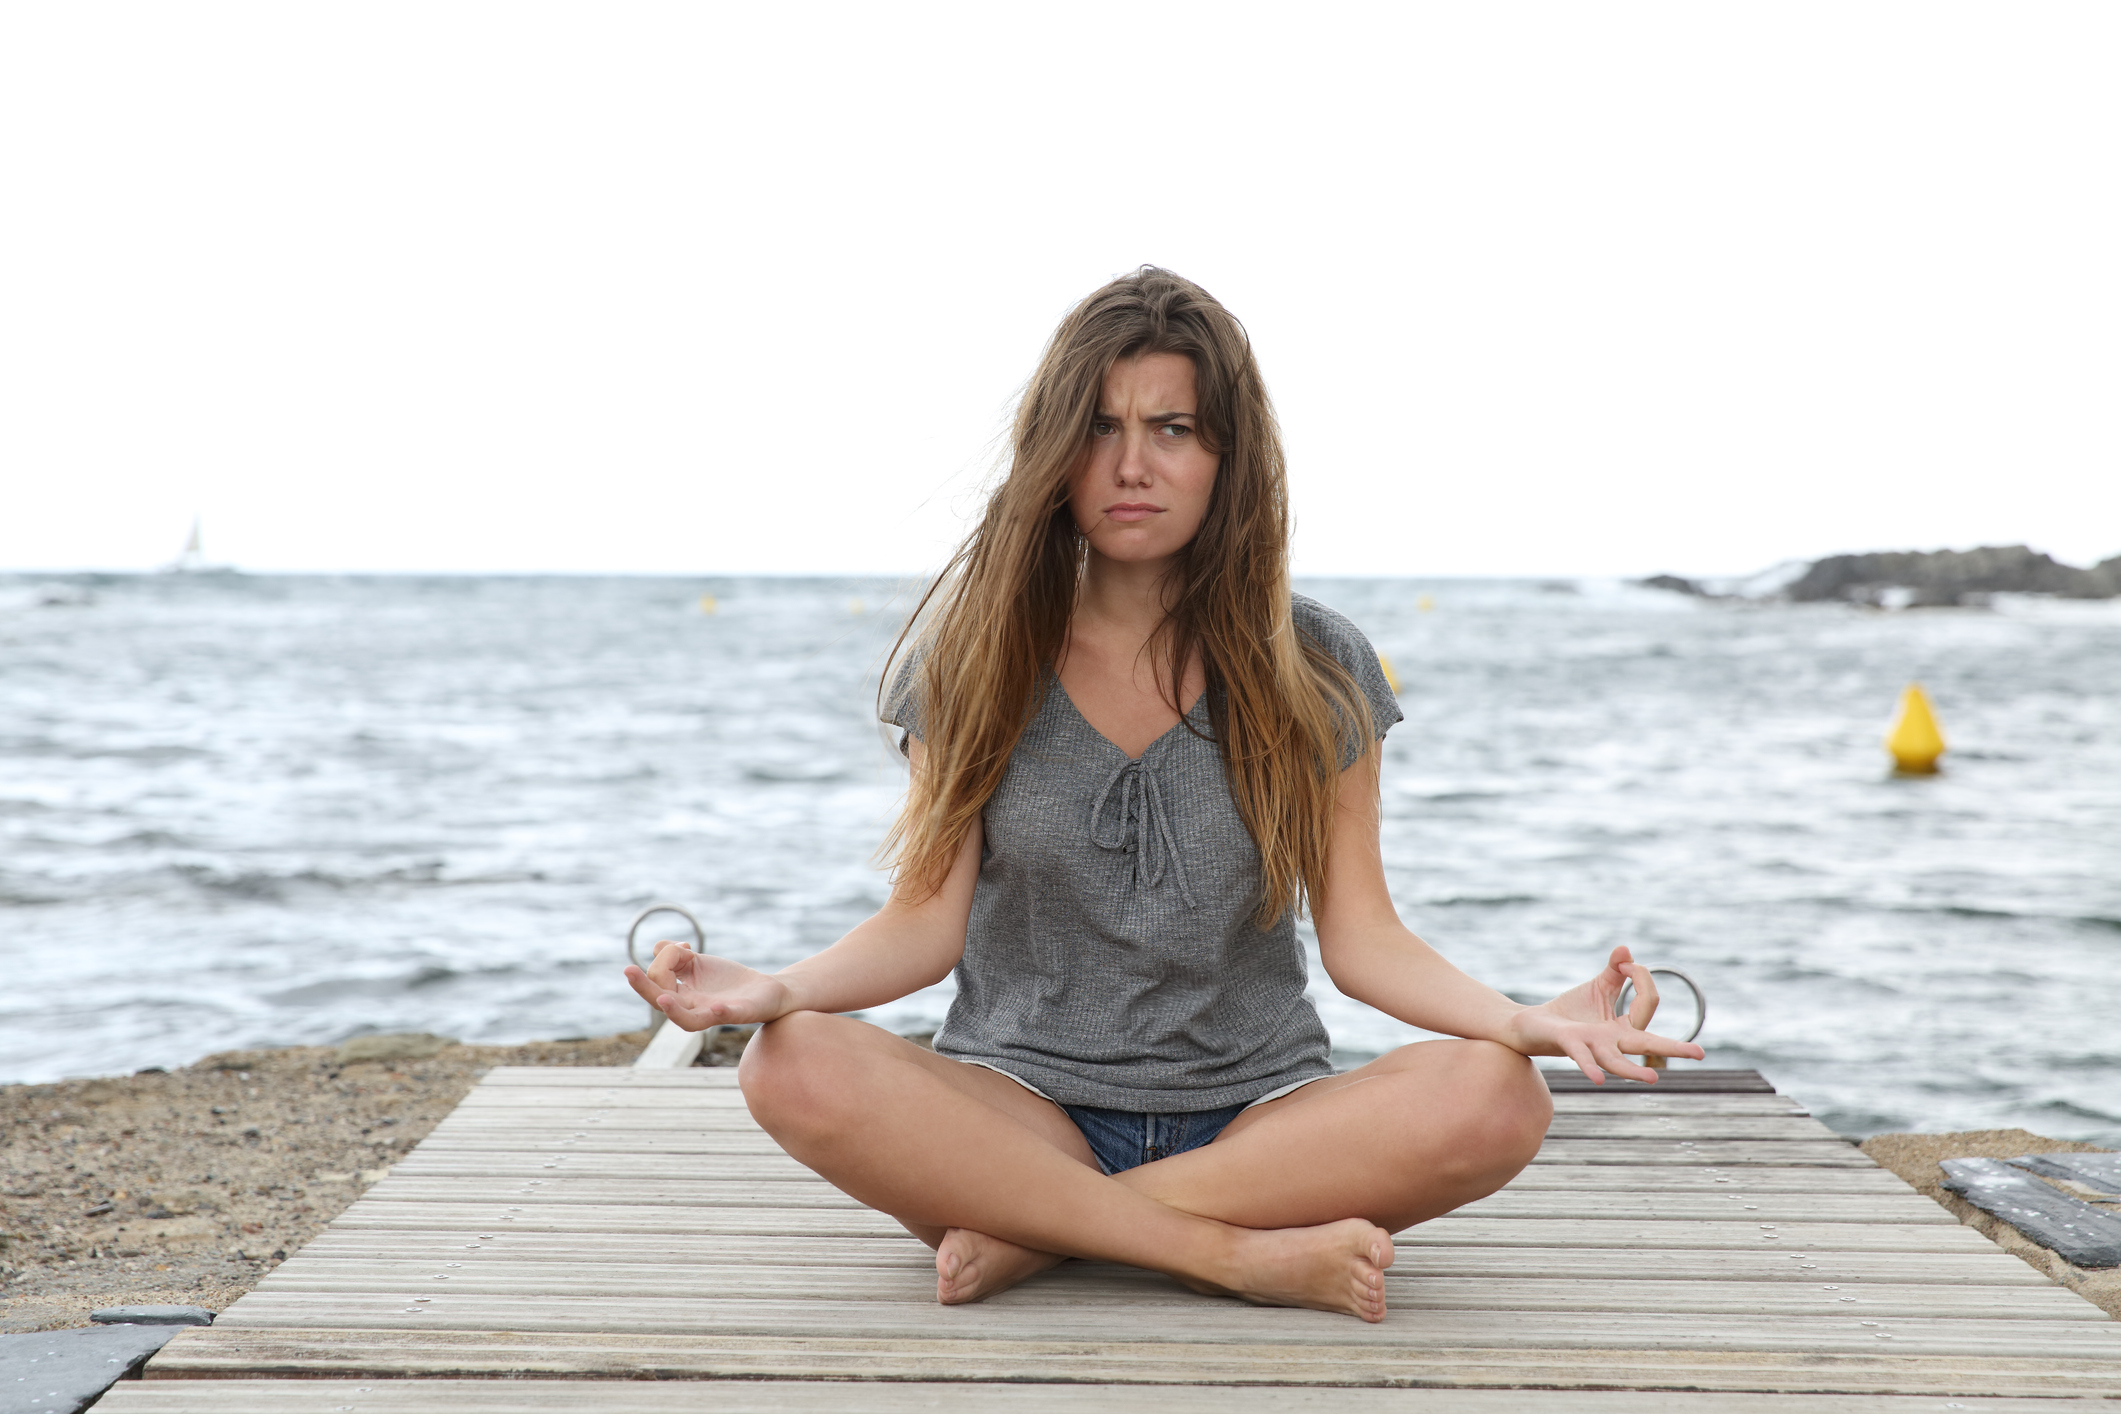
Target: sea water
(244, 811)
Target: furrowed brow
(1154, 418)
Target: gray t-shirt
(1112, 958)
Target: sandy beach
(185, 1187)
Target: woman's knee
(1503, 1107)
(788, 1069)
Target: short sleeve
(902, 704)
(1334, 633)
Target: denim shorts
(1124, 1139)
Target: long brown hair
(1280, 707)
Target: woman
(1134, 754)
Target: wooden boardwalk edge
(558, 1396)
(380, 1355)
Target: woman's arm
(1373, 957)
(904, 946)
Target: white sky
(1589, 289)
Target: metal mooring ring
(699, 933)
(1701, 1002)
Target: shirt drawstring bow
(1140, 827)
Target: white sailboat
(192, 558)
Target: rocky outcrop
(1916, 579)
(1942, 578)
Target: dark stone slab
(2100, 1171)
(2087, 1236)
(59, 1372)
(152, 1316)
(1675, 1082)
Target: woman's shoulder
(902, 697)
(1337, 634)
(1329, 629)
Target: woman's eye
(1172, 429)
(1102, 429)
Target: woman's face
(1143, 488)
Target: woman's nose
(1133, 469)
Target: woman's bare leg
(1410, 1136)
(901, 1130)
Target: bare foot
(1336, 1267)
(971, 1266)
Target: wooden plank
(1777, 1128)
(710, 1162)
(1988, 1266)
(1557, 1178)
(538, 1184)
(1561, 1079)
(1787, 1236)
(579, 1100)
(1643, 1103)
(619, 1082)
(587, 1091)
(633, 1106)
(680, 1133)
(1667, 1206)
(899, 1250)
(653, 1108)
(607, 1077)
(1209, 1322)
(1563, 1104)
(432, 1160)
(1670, 1082)
(1075, 1283)
(1675, 1082)
(638, 1102)
(1883, 1369)
(1781, 1128)
(419, 1396)
(731, 1129)
(724, 1159)
(808, 1192)
(698, 1223)
(1728, 1154)
(670, 1048)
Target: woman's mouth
(1132, 511)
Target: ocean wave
(276, 887)
(48, 748)
(1479, 900)
(799, 772)
(339, 989)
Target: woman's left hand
(1580, 1024)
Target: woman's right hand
(698, 991)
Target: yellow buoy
(1915, 740)
(856, 606)
(1425, 603)
(707, 604)
(1390, 676)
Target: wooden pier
(607, 1239)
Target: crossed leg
(1293, 1204)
